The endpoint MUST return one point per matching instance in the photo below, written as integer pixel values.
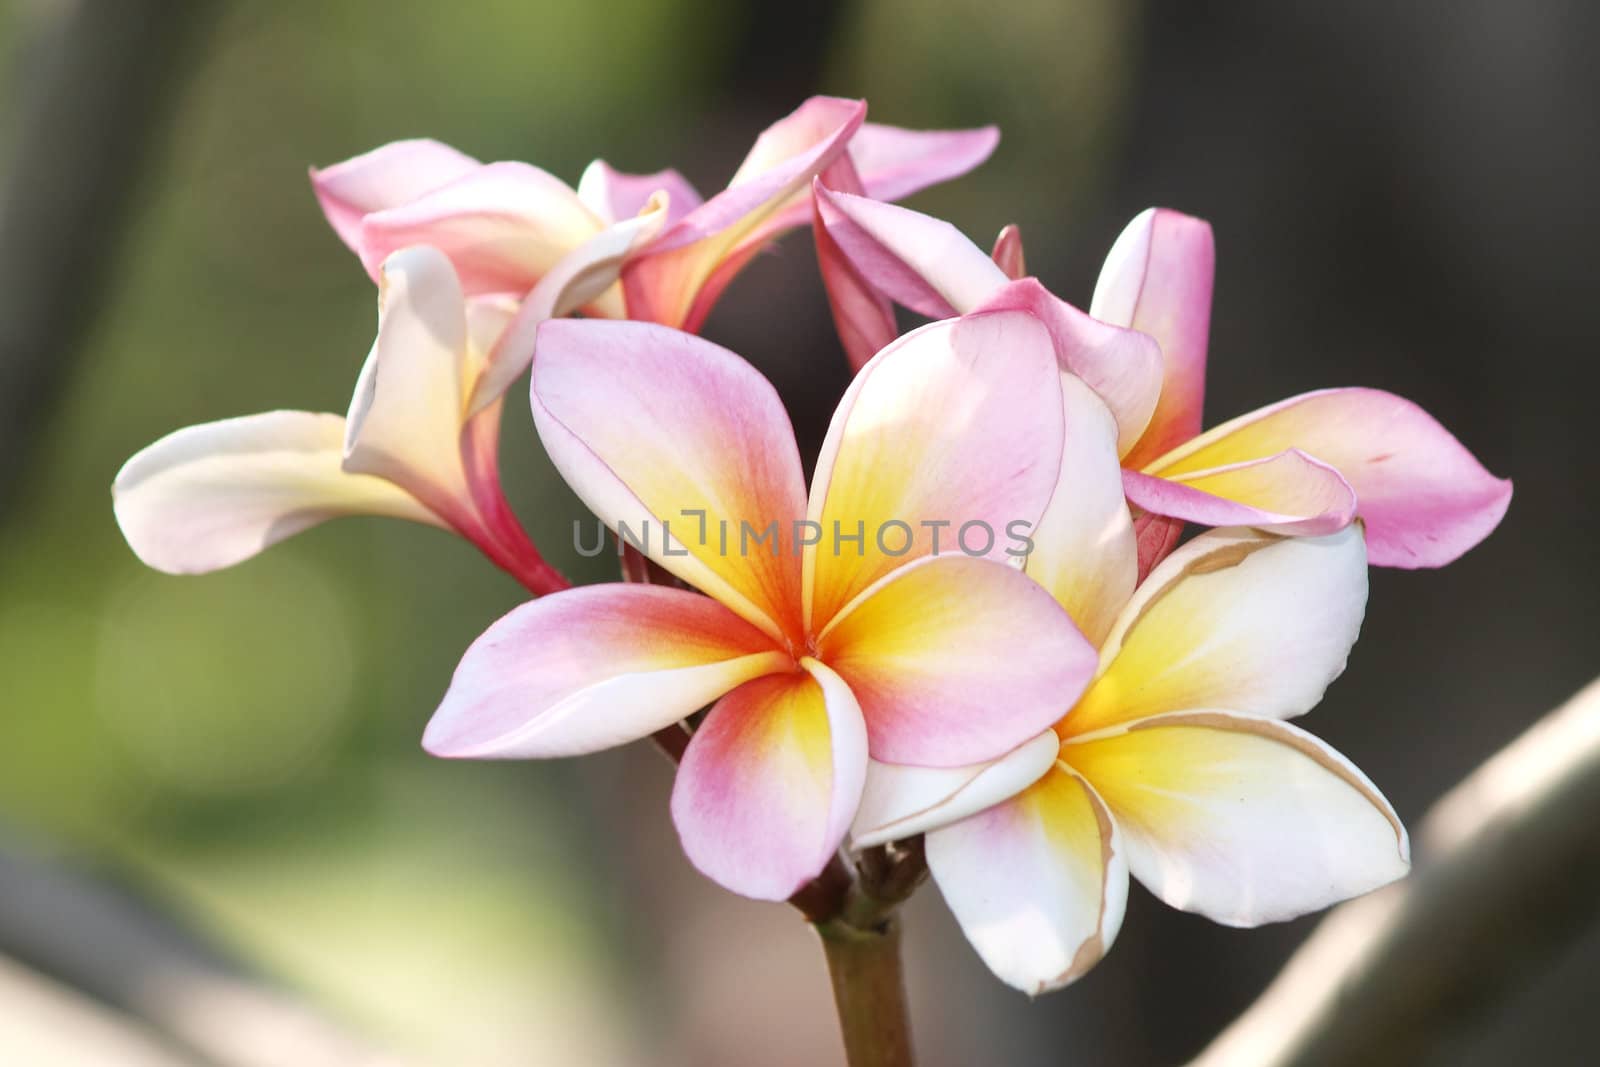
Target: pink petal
(948, 440)
(665, 432)
(1123, 366)
(1290, 493)
(1158, 279)
(1007, 253)
(770, 782)
(862, 315)
(386, 177)
(895, 162)
(615, 196)
(663, 282)
(957, 660)
(594, 667)
(916, 260)
(1157, 536)
(1425, 499)
(502, 225)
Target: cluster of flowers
(1112, 705)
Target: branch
(1510, 873)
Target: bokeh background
(1402, 196)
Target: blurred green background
(1399, 199)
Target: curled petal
(916, 260)
(1122, 366)
(1007, 253)
(1039, 883)
(386, 177)
(673, 436)
(770, 781)
(956, 660)
(1157, 536)
(615, 196)
(902, 800)
(894, 162)
(1290, 493)
(209, 496)
(862, 315)
(502, 225)
(1084, 552)
(1245, 821)
(1234, 619)
(1158, 280)
(948, 440)
(591, 668)
(1425, 498)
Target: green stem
(869, 992)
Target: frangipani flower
(1305, 465)
(814, 650)
(411, 447)
(506, 225)
(1175, 765)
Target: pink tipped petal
(1123, 366)
(667, 433)
(956, 660)
(386, 177)
(502, 225)
(1425, 498)
(587, 273)
(614, 196)
(1234, 619)
(406, 417)
(1158, 280)
(207, 497)
(1245, 821)
(591, 668)
(947, 441)
(916, 260)
(1290, 493)
(1084, 552)
(1039, 884)
(901, 800)
(1007, 254)
(770, 781)
(894, 162)
(663, 283)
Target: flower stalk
(869, 992)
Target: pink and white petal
(615, 196)
(586, 274)
(671, 434)
(1234, 619)
(956, 660)
(406, 416)
(862, 315)
(958, 423)
(1290, 493)
(1245, 821)
(662, 284)
(1039, 883)
(207, 497)
(1008, 255)
(1424, 497)
(1084, 551)
(1158, 279)
(388, 176)
(916, 260)
(502, 225)
(591, 668)
(902, 800)
(1122, 366)
(895, 162)
(770, 781)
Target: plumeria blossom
(1305, 466)
(508, 225)
(1176, 764)
(814, 652)
(412, 447)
